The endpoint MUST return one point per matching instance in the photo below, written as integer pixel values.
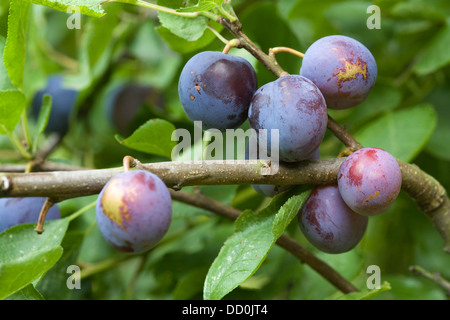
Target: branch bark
(428, 194)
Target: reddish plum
(369, 181)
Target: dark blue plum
(217, 88)
(369, 181)
(14, 211)
(134, 211)
(343, 69)
(328, 223)
(124, 105)
(63, 102)
(295, 107)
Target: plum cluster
(334, 217)
(337, 72)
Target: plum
(295, 106)
(328, 223)
(124, 105)
(369, 181)
(63, 101)
(14, 211)
(343, 69)
(134, 211)
(217, 88)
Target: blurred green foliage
(407, 113)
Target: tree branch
(289, 244)
(428, 194)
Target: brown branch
(428, 194)
(342, 134)
(436, 277)
(244, 42)
(289, 244)
(61, 185)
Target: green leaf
(435, 54)
(366, 294)
(43, 117)
(403, 133)
(438, 144)
(190, 284)
(382, 98)
(246, 249)
(417, 11)
(12, 104)
(27, 293)
(153, 137)
(53, 284)
(190, 29)
(5, 82)
(87, 7)
(184, 46)
(26, 255)
(14, 53)
(203, 5)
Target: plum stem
(234, 43)
(40, 224)
(276, 50)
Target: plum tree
(328, 223)
(217, 88)
(369, 181)
(134, 211)
(343, 69)
(295, 106)
(14, 211)
(63, 101)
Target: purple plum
(343, 69)
(134, 211)
(14, 211)
(217, 88)
(295, 107)
(328, 223)
(369, 181)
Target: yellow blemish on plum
(351, 70)
(373, 196)
(115, 202)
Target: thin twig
(436, 277)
